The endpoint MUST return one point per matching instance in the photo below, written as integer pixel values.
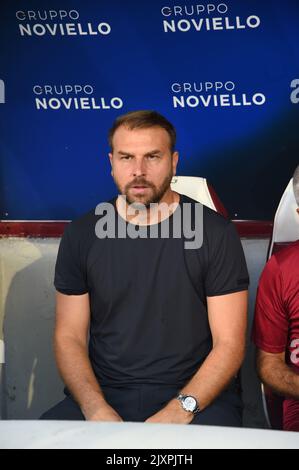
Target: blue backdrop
(226, 74)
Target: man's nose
(139, 168)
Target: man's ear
(297, 210)
(175, 159)
(110, 158)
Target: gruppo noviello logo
(2, 92)
(72, 97)
(58, 23)
(295, 91)
(213, 94)
(208, 17)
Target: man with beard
(141, 334)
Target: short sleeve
(227, 270)
(270, 325)
(69, 274)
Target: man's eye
(126, 157)
(152, 157)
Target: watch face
(190, 404)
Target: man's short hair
(143, 120)
(296, 184)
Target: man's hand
(104, 412)
(172, 413)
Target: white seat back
(194, 187)
(286, 221)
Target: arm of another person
(71, 352)
(275, 373)
(228, 319)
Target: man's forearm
(215, 374)
(208, 382)
(76, 371)
(279, 376)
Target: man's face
(142, 164)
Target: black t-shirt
(149, 321)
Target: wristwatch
(189, 403)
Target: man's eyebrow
(152, 152)
(125, 153)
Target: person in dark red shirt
(276, 326)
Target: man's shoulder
(287, 257)
(282, 264)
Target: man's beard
(139, 202)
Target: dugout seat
(200, 190)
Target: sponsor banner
(73, 97)
(225, 73)
(206, 17)
(58, 23)
(213, 94)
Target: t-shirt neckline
(182, 196)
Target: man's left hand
(172, 413)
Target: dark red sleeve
(270, 325)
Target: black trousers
(138, 402)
